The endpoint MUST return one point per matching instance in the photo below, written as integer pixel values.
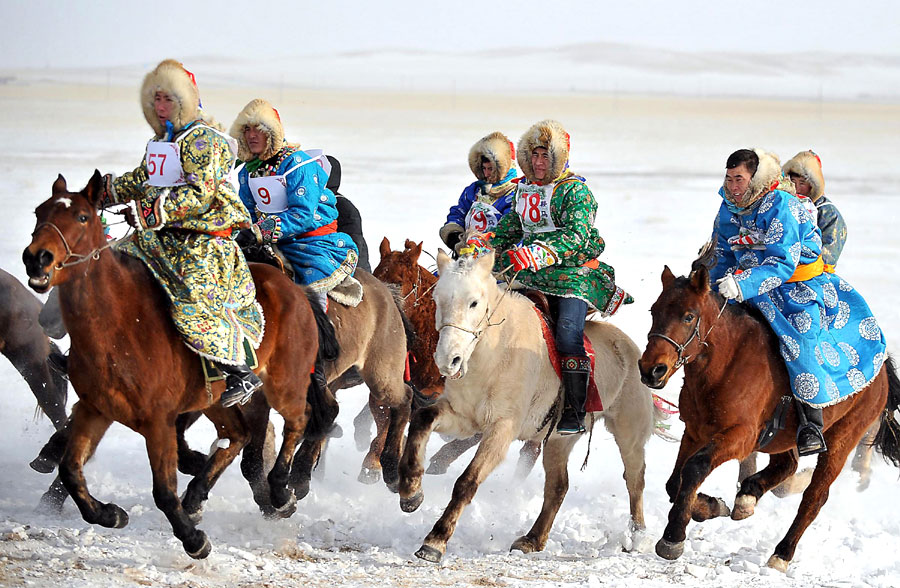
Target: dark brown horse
(145, 377)
(402, 269)
(734, 377)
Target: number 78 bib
(533, 206)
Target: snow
(653, 162)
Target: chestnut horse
(416, 283)
(734, 377)
(144, 377)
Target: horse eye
(474, 304)
(689, 318)
(83, 218)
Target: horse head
(68, 230)
(464, 295)
(399, 267)
(675, 338)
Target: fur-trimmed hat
(172, 78)
(550, 135)
(808, 165)
(766, 178)
(261, 114)
(499, 150)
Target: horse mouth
(40, 284)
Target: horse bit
(695, 334)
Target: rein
(79, 258)
(477, 333)
(415, 288)
(695, 334)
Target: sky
(105, 33)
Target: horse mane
(738, 311)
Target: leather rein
(695, 334)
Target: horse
(734, 377)
(144, 382)
(500, 382)
(23, 342)
(402, 269)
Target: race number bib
(270, 193)
(164, 164)
(482, 217)
(533, 206)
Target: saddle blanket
(593, 402)
(212, 373)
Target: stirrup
(814, 441)
(239, 392)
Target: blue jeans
(570, 314)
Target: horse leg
(393, 443)
(725, 445)
(283, 498)
(370, 473)
(780, 468)
(362, 427)
(747, 467)
(190, 462)
(87, 428)
(528, 455)
(631, 438)
(162, 449)
(53, 450)
(491, 451)
(449, 453)
(50, 397)
(556, 484)
(306, 459)
(862, 459)
(421, 425)
(230, 427)
(687, 448)
(253, 466)
(53, 499)
(828, 467)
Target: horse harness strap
(695, 334)
(776, 423)
(79, 258)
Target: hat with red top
(173, 79)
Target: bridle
(695, 334)
(415, 288)
(70, 254)
(476, 332)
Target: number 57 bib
(163, 164)
(533, 206)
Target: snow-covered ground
(654, 164)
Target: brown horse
(734, 377)
(416, 283)
(144, 382)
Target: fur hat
(261, 114)
(172, 78)
(499, 150)
(550, 135)
(808, 165)
(767, 177)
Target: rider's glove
(246, 237)
(531, 257)
(728, 287)
(269, 229)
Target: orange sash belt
(807, 271)
(323, 230)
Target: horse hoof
(429, 553)
(777, 563)
(43, 465)
(721, 509)
(335, 432)
(51, 503)
(301, 489)
(369, 475)
(393, 485)
(525, 544)
(112, 517)
(287, 509)
(744, 505)
(413, 502)
(204, 549)
(668, 550)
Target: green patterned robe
(575, 243)
(190, 251)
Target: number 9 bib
(482, 217)
(270, 193)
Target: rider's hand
(477, 244)
(531, 257)
(269, 229)
(245, 238)
(130, 218)
(728, 287)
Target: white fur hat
(498, 149)
(258, 113)
(808, 165)
(172, 78)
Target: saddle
(542, 306)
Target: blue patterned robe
(830, 341)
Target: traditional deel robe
(560, 216)
(830, 341)
(482, 205)
(186, 239)
(322, 257)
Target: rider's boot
(240, 384)
(575, 373)
(59, 363)
(809, 434)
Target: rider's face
(737, 180)
(256, 140)
(487, 169)
(165, 106)
(540, 163)
(803, 187)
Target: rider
(805, 172)
(552, 238)
(769, 253)
(185, 210)
(486, 200)
(285, 191)
(349, 220)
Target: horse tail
(328, 343)
(887, 441)
(323, 406)
(62, 384)
(407, 325)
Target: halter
(415, 288)
(476, 333)
(79, 258)
(695, 334)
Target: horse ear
(384, 248)
(443, 260)
(415, 251)
(60, 184)
(667, 277)
(485, 262)
(94, 190)
(700, 279)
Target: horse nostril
(44, 257)
(455, 361)
(658, 371)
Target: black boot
(809, 434)
(240, 384)
(59, 363)
(575, 373)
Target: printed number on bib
(164, 164)
(482, 217)
(533, 206)
(269, 193)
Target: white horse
(500, 383)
